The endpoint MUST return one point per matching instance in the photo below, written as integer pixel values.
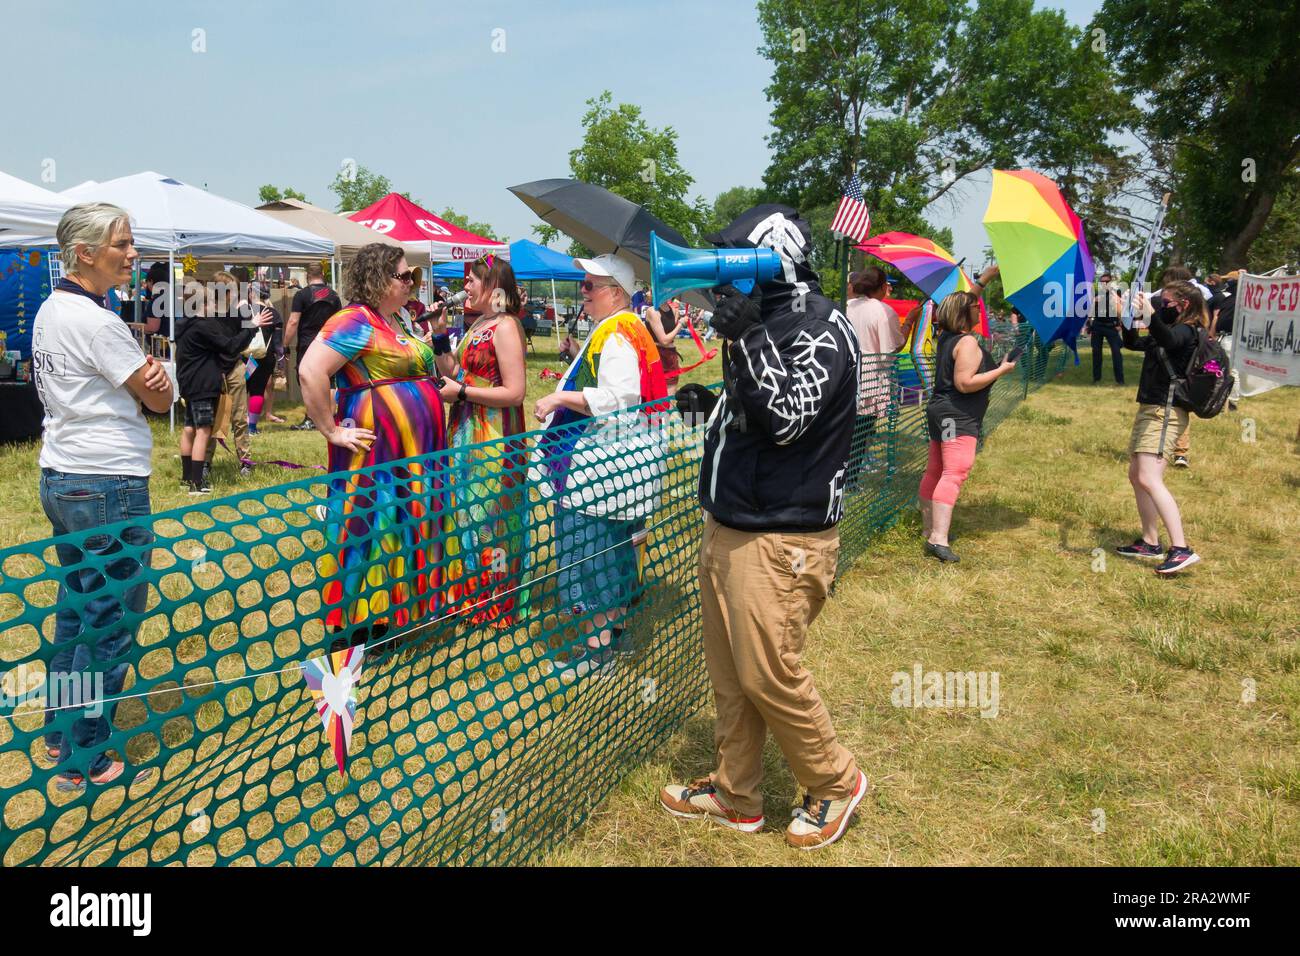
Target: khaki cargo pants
(237, 389)
(760, 591)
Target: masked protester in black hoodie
(772, 484)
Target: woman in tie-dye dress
(385, 572)
(485, 389)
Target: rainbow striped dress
(384, 523)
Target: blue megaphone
(674, 270)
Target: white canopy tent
(171, 218)
(25, 208)
(168, 215)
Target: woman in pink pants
(964, 373)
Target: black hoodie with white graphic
(776, 448)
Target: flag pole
(844, 279)
(1139, 277)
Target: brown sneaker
(700, 801)
(820, 823)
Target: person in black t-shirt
(311, 309)
(964, 372)
(153, 307)
(1103, 325)
(205, 355)
(1223, 309)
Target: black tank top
(952, 413)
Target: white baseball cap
(611, 266)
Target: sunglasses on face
(408, 276)
(589, 286)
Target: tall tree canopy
(626, 155)
(1221, 85)
(917, 97)
(362, 188)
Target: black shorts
(305, 339)
(200, 412)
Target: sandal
(73, 781)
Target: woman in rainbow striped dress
(384, 522)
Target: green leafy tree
(1220, 82)
(478, 228)
(623, 153)
(925, 95)
(1279, 242)
(270, 193)
(361, 189)
(730, 204)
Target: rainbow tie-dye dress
(391, 574)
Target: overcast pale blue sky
(287, 91)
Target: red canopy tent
(398, 218)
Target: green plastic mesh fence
(529, 616)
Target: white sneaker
(820, 823)
(700, 801)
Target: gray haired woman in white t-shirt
(95, 465)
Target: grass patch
(1123, 695)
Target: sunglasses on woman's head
(407, 276)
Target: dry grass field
(1142, 721)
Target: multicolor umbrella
(1047, 271)
(927, 265)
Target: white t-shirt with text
(82, 356)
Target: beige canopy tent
(347, 236)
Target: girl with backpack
(1171, 344)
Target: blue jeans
(598, 562)
(102, 627)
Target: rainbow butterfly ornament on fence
(333, 680)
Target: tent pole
(171, 328)
(555, 322)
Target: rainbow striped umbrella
(1038, 241)
(927, 265)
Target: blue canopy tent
(530, 261)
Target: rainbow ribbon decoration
(333, 681)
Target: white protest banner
(1266, 332)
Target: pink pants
(949, 465)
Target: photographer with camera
(1160, 425)
(772, 484)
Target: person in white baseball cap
(610, 267)
(609, 483)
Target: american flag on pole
(852, 218)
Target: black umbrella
(603, 222)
